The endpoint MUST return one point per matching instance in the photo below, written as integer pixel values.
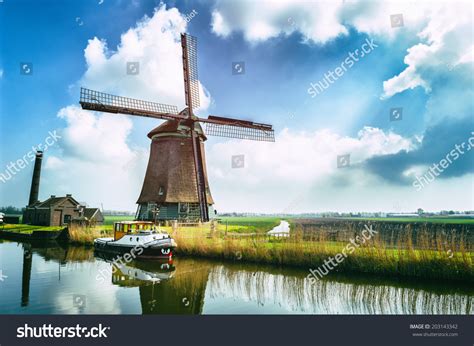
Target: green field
(27, 229)
(253, 224)
(110, 219)
(453, 220)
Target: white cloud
(97, 164)
(294, 163)
(303, 157)
(1, 72)
(155, 44)
(96, 138)
(260, 21)
(444, 29)
(408, 79)
(447, 42)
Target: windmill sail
(191, 89)
(99, 101)
(240, 129)
(190, 69)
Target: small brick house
(60, 211)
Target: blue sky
(421, 67)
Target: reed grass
(420, 255)
(85, 235)
(447, 258)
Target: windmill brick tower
(176, 185)
(168, 184)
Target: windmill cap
(174, 126)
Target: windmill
(175, 184)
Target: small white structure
(282, 230)
(1, 217)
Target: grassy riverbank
(442, 220)
(431, 262)
(436, 258)
(28, 229)
(229, 225)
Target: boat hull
(161, 249)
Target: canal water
(54, 279)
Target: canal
(60, 279)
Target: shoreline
(403, 260)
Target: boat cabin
(126, 227)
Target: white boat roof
(135, 222)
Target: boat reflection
(163, 287)
(137, 273)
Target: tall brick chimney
(35, 181)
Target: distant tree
(451, 212)
(420, 211)
(11, 210)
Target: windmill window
(183, 207)
(161, 191)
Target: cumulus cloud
(259, 21)
(97, 164)
(96, 138)
(442, 28)
(301, 157)
(446, 44)
(155, 44)
(317, 22)
(298, 173)
(295, 162)
(438, 141)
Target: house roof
(52, 201)
(89, 213)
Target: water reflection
(26, 275)
(338, 294)
(163, 288)
(65, 279)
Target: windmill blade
(102, 102)
(241, 129)
(190, 71)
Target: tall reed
(413, 255)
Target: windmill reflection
(172, 287)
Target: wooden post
(174, 226)
(213, 227)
